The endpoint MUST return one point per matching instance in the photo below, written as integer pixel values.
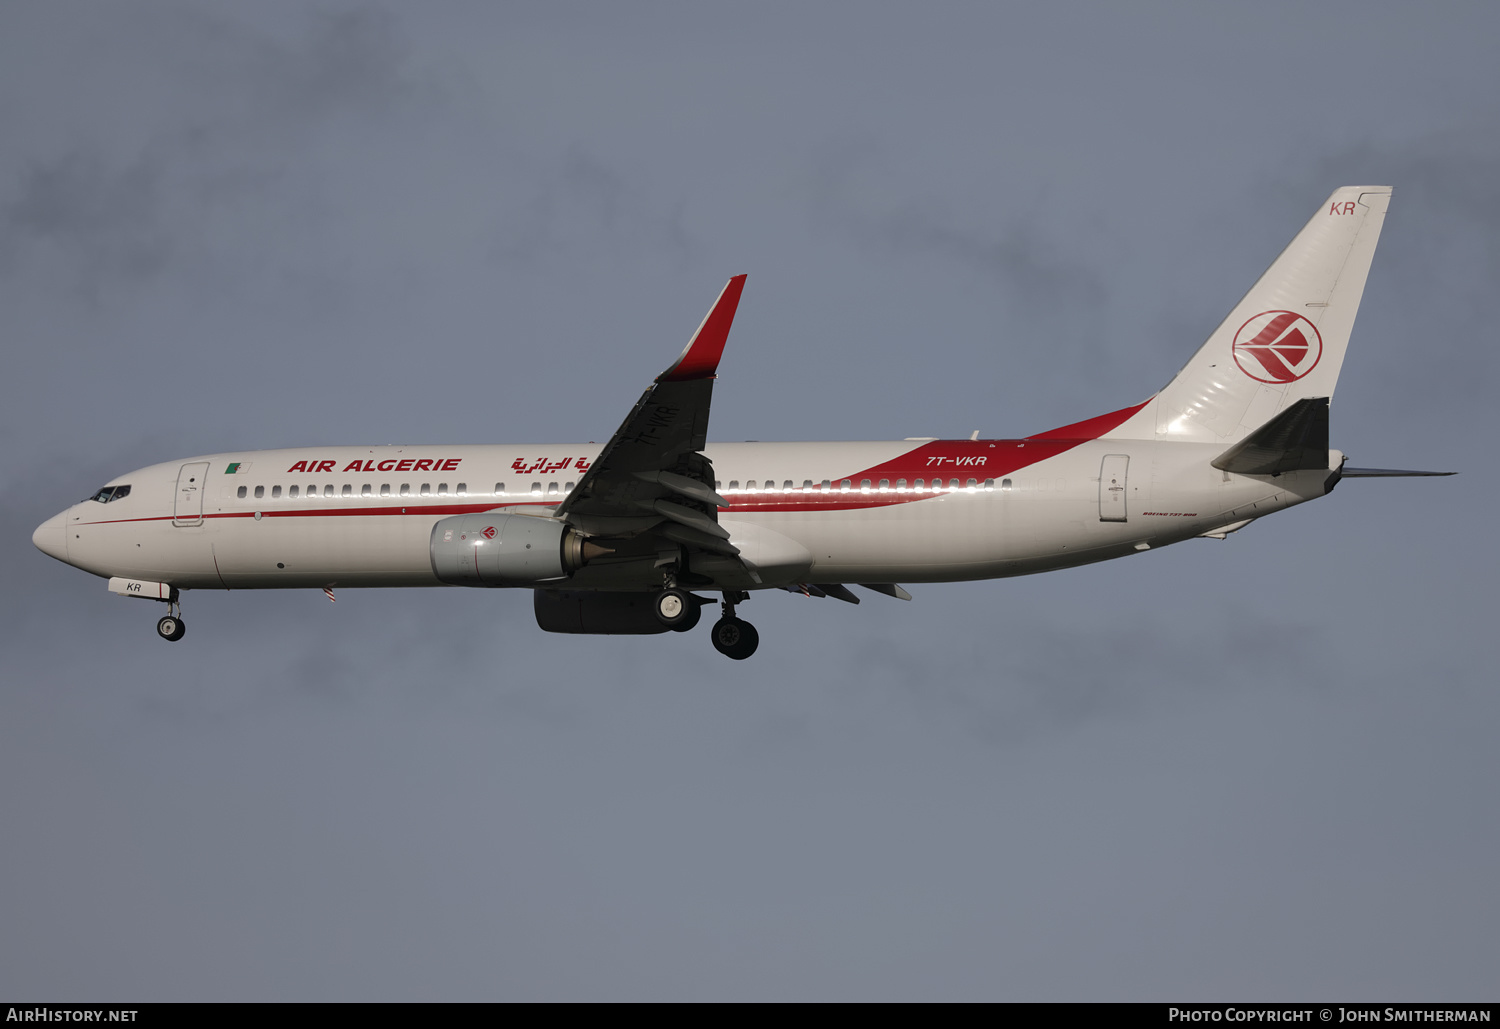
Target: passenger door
(190, 482)
(1112, 487)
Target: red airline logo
(546, 467)
(434, 464)
(489, 532)
(1277, 347)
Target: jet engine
(505, 550)
(599, 614)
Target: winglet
(700, 358)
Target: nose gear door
(190, 481)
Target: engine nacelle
(503, 550)
(600, 614)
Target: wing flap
(653, 466)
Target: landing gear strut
(171, 626)
(734, 637)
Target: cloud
(563, 212)
(856, 195)
(245, 107)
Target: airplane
(617, 539)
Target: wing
(652, 475)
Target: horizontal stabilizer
(1295, 438)
(1383, 473)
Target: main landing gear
(171, 626)
(677, 609)
(680, 611)
(734, 637)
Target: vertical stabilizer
(1283, 342)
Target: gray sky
(1257, 769)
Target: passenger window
(827, 484)
(921, 485)
(442, 489)
(425, 489)
(734, 485)
(953, 484)
(499, 489)
(845, 485)
(367, 490)
(536, 489)
(568, 487)
(406, 489)
(718, 485)
(971, 483)
(260, 491)
(1005, 484)
(806, 485)
(885, 484)
(239, 493)
(989, 484)
(786, 487)
(328, 490)
(864, 485)
(292, 492)
(385, 489)
(462, 489)
(275, 491)
(551, 489)
(900, 485)
(348, 490)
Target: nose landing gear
(171, 626)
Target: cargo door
(189, 507)
(1112, 487)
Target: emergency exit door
(1112, 487)
(189, 507)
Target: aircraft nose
(51, 537)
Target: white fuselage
(879, 512)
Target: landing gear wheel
(673, 607)
(170, 628)
(735, 638)
(693, 615)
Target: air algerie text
(389, 465)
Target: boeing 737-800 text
(616, 539)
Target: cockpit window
(109, 493)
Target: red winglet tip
(700, 358)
